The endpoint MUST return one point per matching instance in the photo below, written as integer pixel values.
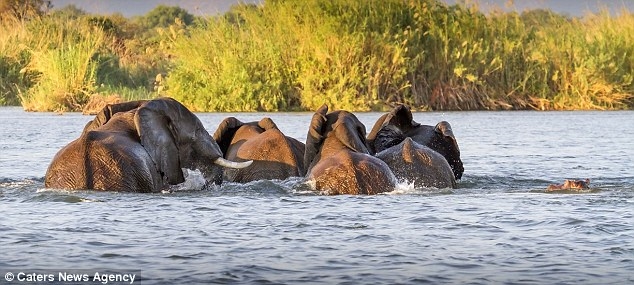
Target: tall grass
(287, 55)
(219, 69)
(365, 55)
(14, 78)
(591, 64)
(56, 64)
(355, 55)
(66, 65)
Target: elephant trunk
(232, 164)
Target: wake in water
(195, 183)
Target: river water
(498, 227)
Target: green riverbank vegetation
(288, 55)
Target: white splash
(406, 187)
(403, 187)
(312, 183)
(194, 180)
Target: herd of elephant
(144, 146)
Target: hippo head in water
(569, 185)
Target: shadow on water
(57, 196)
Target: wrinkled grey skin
(337, 158)
(439, 138)
(138, 146)
(274, 155)
(412, 162)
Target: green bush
(285, 55)
(298, 55)
(14, 79)
(365, 55)
(54, 63)
(65, 55)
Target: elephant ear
(315, 136)
(448, 147)
(400, 117)
(375, 131)
(156, 130)
(444, 129)
(108, 111)
(351, 133)
(225, 132)
(267, 124)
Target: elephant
(274, 155)
(439, 138)
(337, 159)
(138, 146)
(412, 162)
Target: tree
(23, 9)
(542, 18)
(68, 12)
(164, 16)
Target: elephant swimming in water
(424, 155)
(337, 159)
(138, 146)
(274, 155)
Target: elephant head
(274, 155)
(138, 146)
(439, 138)
(337, 159)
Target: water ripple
(498, 227)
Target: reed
(65, 57)
(14, 78)
(355, 55)
(285, 55)
(367, 55)
(222, 65)
(56, 64)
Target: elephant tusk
(232, 164)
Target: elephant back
(441, 139)
(274, 155)
(414, 163)
(350, 173)
(96, 161)
(110, 111)
(399, 124)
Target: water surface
(498, 227)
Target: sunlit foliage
(366, 55)
(298, 55)
(22, 9)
